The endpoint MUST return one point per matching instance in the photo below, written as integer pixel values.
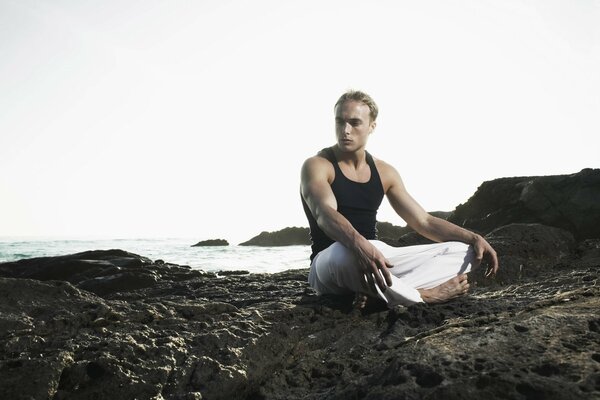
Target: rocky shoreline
(116, 325)
(111, 324)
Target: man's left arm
(431, 227)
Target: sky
(123, 119)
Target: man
(342, 188)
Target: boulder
(98, 271)
(211, 242)
(570, 202)
(525, 250)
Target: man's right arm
(316, 192)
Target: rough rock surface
(212, 242)
(570, 202)
(114, 325)
(290, 236)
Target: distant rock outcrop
(211, 242)
(386, 230)
(286, 237)
(570, 202)
(404, 235)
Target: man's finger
(493, 267)
(370, 283)
(387, 275)
(364, 283)
(478, 255)
(378, 278)
(495, 262)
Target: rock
(389, 233)
(99, 271)
(530, 333)
(525, 250)
(286, 237)
(411, 239)
(569, 202)
(388, 230)
(211, 242)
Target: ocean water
(177, 251)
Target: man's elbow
(323, 215)
(423, 224)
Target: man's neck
(355, 158)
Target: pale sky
(192, 118)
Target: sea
(254, 259)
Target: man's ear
(372, 127)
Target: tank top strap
(370, 160)
(329, 155)
(374, 173)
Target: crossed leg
(451, 289)
(428, 273)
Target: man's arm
(316, 191)
(431, 227)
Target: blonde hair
(357, 95)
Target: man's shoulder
(317, 161)
(326, 153)
(317, 166)
(383, 166)
(323, 157)
(388, 174)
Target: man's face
(353, 125)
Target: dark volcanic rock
(526, 250)
(570, 202)
(285, 237)
(531, 333)
(99, 271)
(212, 242)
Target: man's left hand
(484, 250)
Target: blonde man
(342, 188)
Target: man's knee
(338, 265)
(459, 247)
(340, 256)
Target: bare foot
(360, 300)
(455, 287)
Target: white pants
(335, 270)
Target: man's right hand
(374, 265)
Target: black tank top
(357, 202)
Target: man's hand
(374, 265)
(484, 250)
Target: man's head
(357, 95)
(355, 114)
